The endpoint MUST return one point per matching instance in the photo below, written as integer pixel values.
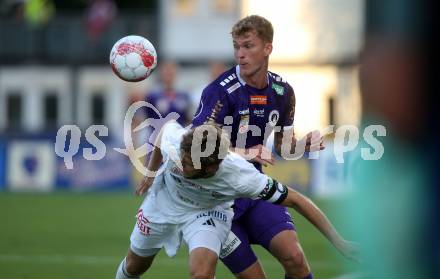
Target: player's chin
(244, 68)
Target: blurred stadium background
(54, 71)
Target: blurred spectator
(38, 12)
(215, 69)
(13, 9)
(99, 16)
(166, 98)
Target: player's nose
(239, 53)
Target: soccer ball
(133, 58)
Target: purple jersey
(167, 102)
(252, 112)
(230, 102)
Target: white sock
(122, 273)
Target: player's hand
(314, 142)
(144, 185)
(258, 153)
(349, 249)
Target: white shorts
(207, 228)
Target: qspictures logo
(346, 139)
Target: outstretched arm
(314, 215)
(258, 153)
(313, 142)
(153, 165)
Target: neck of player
(257, 79)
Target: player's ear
(268, 49)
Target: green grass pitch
(66, 235)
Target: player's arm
(307, 208)
(156, 159)
(213, 107)
(287, 121)
(279, 194)
(153, 166)
(311, 142)
(258, 153)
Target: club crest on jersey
(273, 117)
(279, 89)
(243, 126)
(258, 100)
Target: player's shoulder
(279, 81)
(277, 78)
(236, 164)
(226, 83)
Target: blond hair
(201, 138)
(254, 23)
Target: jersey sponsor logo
(233, 87)
(214, 214)
(209, 222)
(258, 112)
(279, 89)
(229, 246)
(142, 222)
(243, 112)
(274, 115)
(258, 100)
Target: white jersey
(177, 208)
(178, 195)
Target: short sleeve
(213, 106)
(287, 119)
(251, 182)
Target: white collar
(237, 72)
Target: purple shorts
(256, 224)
